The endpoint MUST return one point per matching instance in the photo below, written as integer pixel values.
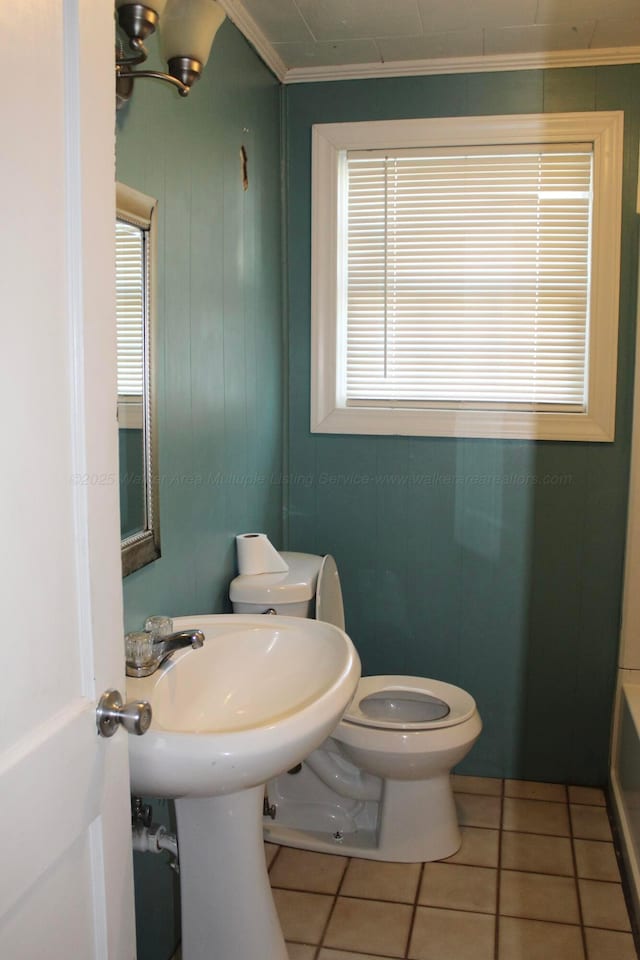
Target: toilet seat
(408, 703)
(329, 605)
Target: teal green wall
(492, 564)
(219, 363)
(495, 565)
(219, 354)
(131, 463)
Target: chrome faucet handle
(138, 648)
(159, 627)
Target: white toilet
(379, 787)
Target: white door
(65, 870)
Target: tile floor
(536, 878)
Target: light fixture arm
(124, 64)
(140, 54)
(183, 89)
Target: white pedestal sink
(260, 695)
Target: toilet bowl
(379, 787)
(407, 728)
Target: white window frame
(330, 143)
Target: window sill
(130, 415)
(506, 424)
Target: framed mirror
(136, 253)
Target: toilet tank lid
(295, 584)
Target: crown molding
(252, 32)
(485, 63)
(482, 64)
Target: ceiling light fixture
(186, 35)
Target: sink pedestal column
(227, 907)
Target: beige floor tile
(270, 851)
(459, 887)
(478, 811)
(479, 847)
(326, 954)
(536, 940)
(535, 816)
(374, 880)
(596, 860)
(300, 951)
(451, 935)
(592, 795)
(533, 790)
(369, 926)
(537, 853)
(590, 823)
(303, 870)
(603, 905)
(535, 896)
(303, 916)
(610, 945)
(489, 786)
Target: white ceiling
(332, 33)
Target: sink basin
(262, 693)
(259, 696)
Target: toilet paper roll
(256, 554)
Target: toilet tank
(291, 593)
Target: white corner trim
(482, 64)
(629, 656)
(247, 26)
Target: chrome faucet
(146, 653)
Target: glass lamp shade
(188, 27)
(156, 5)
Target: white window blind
(131, 273)
(468, 277)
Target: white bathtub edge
(631, 693)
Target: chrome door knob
(112, 712)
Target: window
(136, 261)
(465, 276)
(133, 235)
(131, 270)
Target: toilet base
(419, 819)
(418, 823)
(360, 843)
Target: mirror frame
(143, 547)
